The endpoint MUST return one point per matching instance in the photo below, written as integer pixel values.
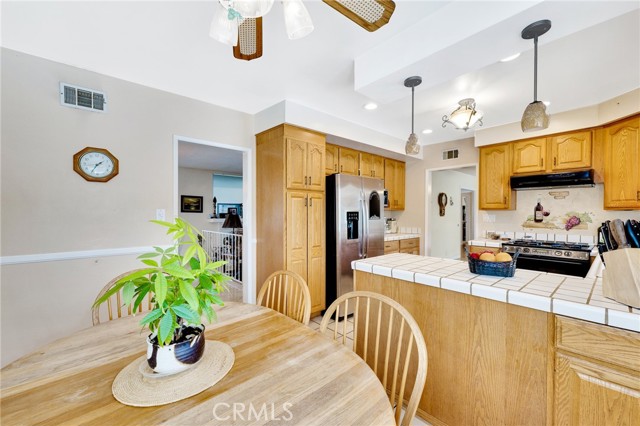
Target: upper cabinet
(495, 171)
(331, 159)
(349, 161)
(569, 151)
(371, 165)
(621, 165)
(529, 156)
(394, 183)
(305, 164)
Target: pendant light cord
(535, 69)
(413, 88)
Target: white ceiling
(220, 160)
(591, 54)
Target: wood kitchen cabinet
(495, 171)
(371, 165)
(622, 165)
(349, 161)
(392, 247)
(410, 246)
(568, 151)
(290, 224)
(331, 159)
(529, 155)
(597, 374)
(394, 183)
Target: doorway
(195, 162)
(450, 209)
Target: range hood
(555, 180)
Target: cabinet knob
(335, 167)
(541, 162)
(504, 199)
(305, 181)
(638, 196)
(341, 168)
(554, 161)
(305, 201)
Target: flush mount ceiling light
(535, 116)
(510, 58)
(465, 116)
(370, 106)
(412, 147)
(238, 23)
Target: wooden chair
(287, 293)
(115, 303)
(389, 340)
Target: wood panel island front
(535, 349)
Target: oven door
(578, 268)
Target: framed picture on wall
(190, 204)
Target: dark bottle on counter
(537, 212)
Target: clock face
(95, 164)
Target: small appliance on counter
(391, 226)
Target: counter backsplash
(560, 206)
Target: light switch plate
(160, 214)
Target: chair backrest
(114, 304)
(287, 293)
(389, 340)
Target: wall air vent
(450, 154)
(83, 98)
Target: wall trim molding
(73, 255)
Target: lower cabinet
(391, 247)
(410, 246)
(597, 374)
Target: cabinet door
(331, 159)
(377, 166)
(366, 164)
(400, 185)
(296, 229)
(315, 166)
(296, 164)
(589, 393)
(529, 156)
(315, 250)
(390, 180)
(494, 186)
(349, 161)
(621, 168)
(572, 151)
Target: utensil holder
(621, 277)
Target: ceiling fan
(239, 22)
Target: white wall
(445, 231)
(200, 183)
(50, 211)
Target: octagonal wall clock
(95, 164)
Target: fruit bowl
(497, 269)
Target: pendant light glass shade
(412, 147)
(296, 19)
(222, 28)
(465, 116)
(535, 116)
(252, 8)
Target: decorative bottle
(538, 212)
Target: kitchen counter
(399, 236)
(565, 295)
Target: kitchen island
(533, 349)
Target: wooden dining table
(299, 375)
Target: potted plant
(181, 288)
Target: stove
(552, 256)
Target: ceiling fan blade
(249, 39)
(369, 14)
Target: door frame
(428, 191)
(248, 224)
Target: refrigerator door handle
(361, 248)
(365, 227)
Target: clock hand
(97, 164)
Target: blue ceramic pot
(176, 357)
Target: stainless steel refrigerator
(355, 228)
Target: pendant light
(412, 147)
(535, 116)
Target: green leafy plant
(182, 287)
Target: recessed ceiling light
(510, 58)
(370, 106)
(547, 103)
(427, 131)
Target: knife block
(621, 277)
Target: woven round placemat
(133, 387)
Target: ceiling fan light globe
(535, 117)
(252, 8)
(297, 20)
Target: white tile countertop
(560, 294)
(394, 237)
